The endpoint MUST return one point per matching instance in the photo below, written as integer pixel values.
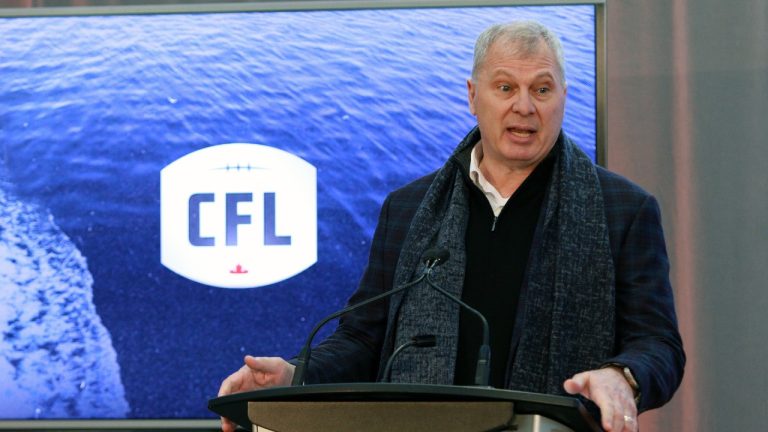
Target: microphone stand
(419, 341)
(306, 351)
(483, 370)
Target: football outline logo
(238, 215)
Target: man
(567, 260)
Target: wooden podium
(380, 407)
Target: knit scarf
(565, 321)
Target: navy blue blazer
(647, 337)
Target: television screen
(180, 189)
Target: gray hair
(523, 36)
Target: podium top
(566, 410)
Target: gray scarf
(565, 321)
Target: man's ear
(471, 88)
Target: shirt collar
(491, 193)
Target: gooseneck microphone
(435, 256)
(419, 341)
(432, 258)
(483, 369)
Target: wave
(56, 357)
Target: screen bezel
(50, 8)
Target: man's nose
(522, 104)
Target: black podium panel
(565, 410)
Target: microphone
(420, 341)
(483, 369)
(435, 256)
(432, 258)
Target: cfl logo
(238, 215)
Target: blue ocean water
(92, 108)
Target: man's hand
(258, 372)
(611, 392)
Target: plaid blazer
(647, 337)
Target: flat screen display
(179, 189)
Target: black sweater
(497, 256)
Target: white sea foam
(56, 357)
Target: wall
(687, 104)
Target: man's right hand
(258, 372)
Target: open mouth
(522, 132)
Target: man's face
(519, 101)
